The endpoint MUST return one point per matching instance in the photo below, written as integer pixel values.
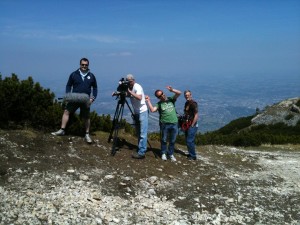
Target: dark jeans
(190, 135)
(168, 130)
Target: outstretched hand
(169, 88)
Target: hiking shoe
(61, 132)
(137, 156)
(164, 157)
(88, 139)
(172, 157)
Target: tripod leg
(116, 132)
(116, 125)
(115, 121)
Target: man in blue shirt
(81, 85)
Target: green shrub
(26, 102)
(289, 116)
(236, 125)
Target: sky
(164, 38)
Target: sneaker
(61, 132)
(137, 156)
(88, 139)
(164, 157)
(172, 157)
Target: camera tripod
(117, 121)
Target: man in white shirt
(137, 98)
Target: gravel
(64, 181)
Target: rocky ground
(63, 180)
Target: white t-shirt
(138, 106)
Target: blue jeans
(142, 132)
(168, 130)
(190, 135)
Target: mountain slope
(277, 124)
(287, 112)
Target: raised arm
(175, 91)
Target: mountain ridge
(286, 111)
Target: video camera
(123, 87)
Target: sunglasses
(160, 95)
(84, 65)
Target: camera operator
(137, 98)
